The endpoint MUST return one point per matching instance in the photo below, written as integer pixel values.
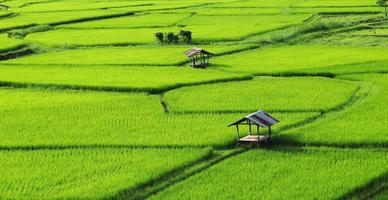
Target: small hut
(258, 119)
(199, 58)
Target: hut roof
(196, 50)
(260, 118)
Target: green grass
(228, 11)
(255, 3)
(372, 36)
(5, 14)
(34, 98)
(361, 124)
(136, 78)
(354, 40)
(371, 32)
(336, 10)
(203, 28)
(85, 173)
(20, 3)
(9, 43)
(67, 5)
(28, 19)
(136, 55)
(201, 32)
(382, 196)
(283, 173)
(86, 118)
(212, 28)
(94, 37)
(369, 67)
(314, 29)
(230, 32)
(262, 20)
(286, 94)
(14, 4)
(136, 21)
(289, 58)
(333, 3)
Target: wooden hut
(258, 119)
(199, 58)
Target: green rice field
(99, 100)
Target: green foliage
(85, 173)
(21, 33)
(146, 20)
(98, 118)
(136, 55)
(82, 128)
(283, 173)
(361, 124)
(291, 58)
(7, 43)
(116, 78)
(284, 94)
(92, 37)
(31, 19)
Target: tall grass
(361, 124)
(283, 174)
(86, 173)
(39, 118)
(277, 94)
(290, 58)
(134, 55)
(116, 78)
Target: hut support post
(193, 61)
(238, 132)
(258, 130)
(269, 131)
(250, 128)
(202, 58)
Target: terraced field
(93, 106)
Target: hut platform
(254, 138)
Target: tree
(383, 3)
(172, 38)
(160, 37)
(186, 35)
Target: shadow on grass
(373, 188)
(150, 188)
(149, 90)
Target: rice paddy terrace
(92, 106)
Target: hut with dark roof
(199, 58)
(258, 119)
